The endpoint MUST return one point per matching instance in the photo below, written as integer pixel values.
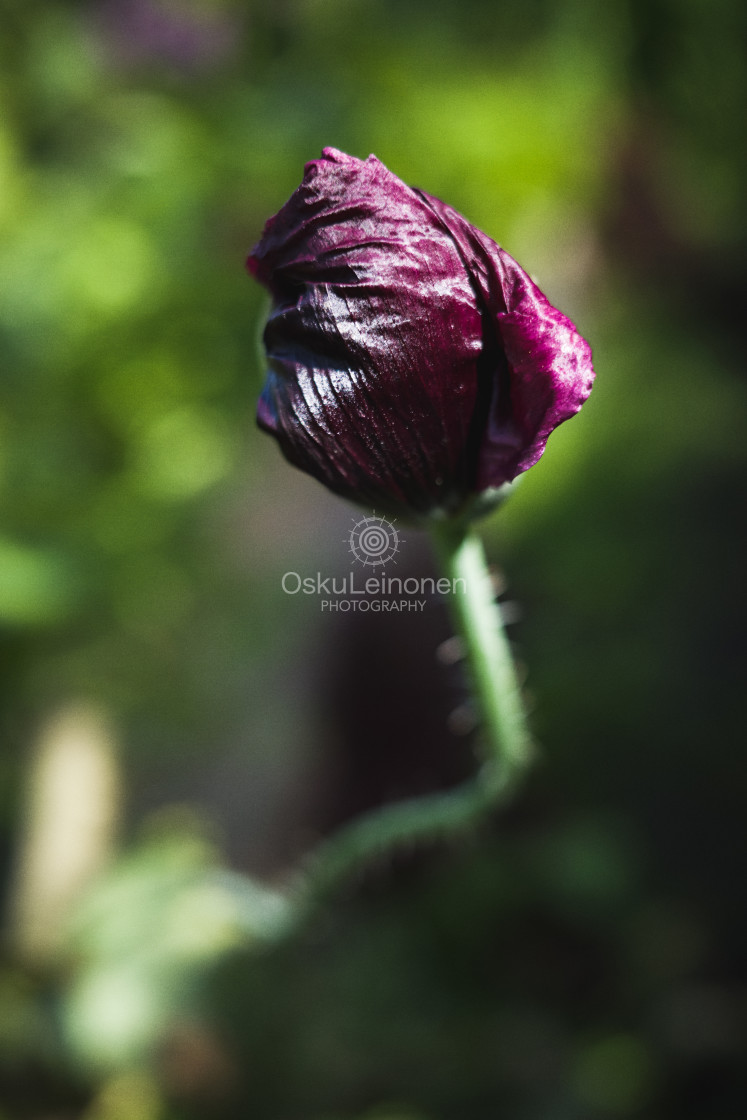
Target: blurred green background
(177, 732)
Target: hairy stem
(478, 623)
(506, 746)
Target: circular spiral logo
(373, 541)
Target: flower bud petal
(412, 363)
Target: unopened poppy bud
(413, 365)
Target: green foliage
(144, 938)
(564, 966)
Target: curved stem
(378, 834)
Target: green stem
(376, 835)
(478, 623)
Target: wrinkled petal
(373, 339)
(412, 363)
(547, 372)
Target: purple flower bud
(413, 365)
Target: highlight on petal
(412, 362)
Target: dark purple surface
(412, 362)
